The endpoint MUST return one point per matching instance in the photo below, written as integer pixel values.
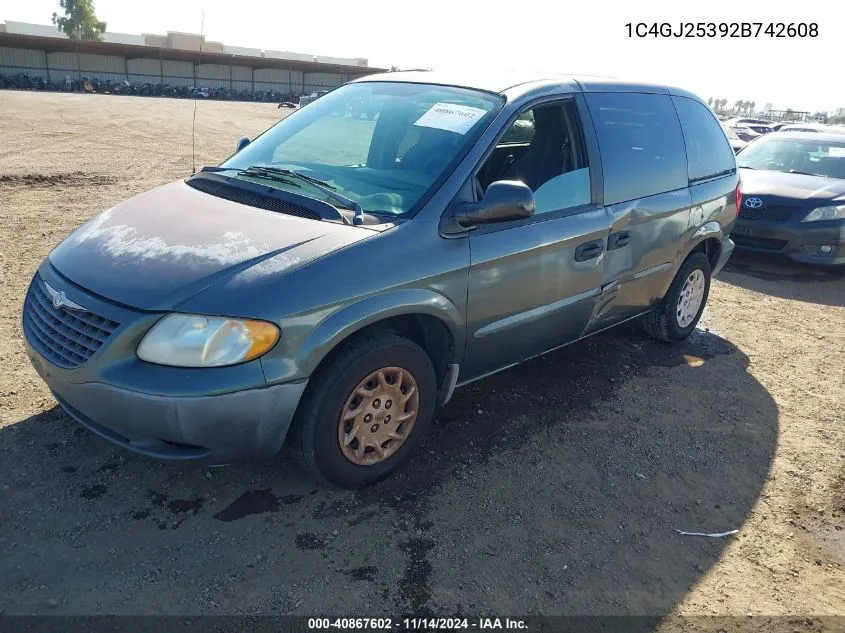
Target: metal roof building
(55, 57)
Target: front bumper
(211, 429)
(213, 416)
(246, 425)
(800, 241)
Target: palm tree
(753, 107)
(737, 106)
(710, 102)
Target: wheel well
(427, 331)
(710, 247)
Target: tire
(317, 433)
(664, 322)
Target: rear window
(642, 147)
(708, 151)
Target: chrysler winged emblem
(60, 300)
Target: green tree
(79, 21)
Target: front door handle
(618, 240)
(589, 250)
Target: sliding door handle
(589, 250)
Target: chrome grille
(67, 338)
(772, 214)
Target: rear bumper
(724, 254)
(802, 242)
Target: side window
(708, 152)
(642, 148)
(544, 148)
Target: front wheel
(366, 411)
(680, 310)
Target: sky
(570, 37)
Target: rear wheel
(366, 411)
(680, 310)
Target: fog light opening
(825, 249)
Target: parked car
(814, 128)
(749, 121)
(745, 133)
(737, 143)
(760, 126)
(332, 294)
(793, 197)
(306, 99)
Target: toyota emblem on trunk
(753, 203)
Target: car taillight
(738, 196)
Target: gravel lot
(552, 488)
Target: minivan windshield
(801, 156)
(382, 145)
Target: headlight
(826, 213)
(188, 340)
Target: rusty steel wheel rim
(378, 416)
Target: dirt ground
(553, 488)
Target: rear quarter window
(708, 151)
(641, 144)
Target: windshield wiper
(296, 174)
(268, 175)
(270, 171)
(746, 167)
(801, 173)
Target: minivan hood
(164, 246)
(797, 187)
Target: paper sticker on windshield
(450, 117)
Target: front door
(533, 283)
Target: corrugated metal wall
(102, 66)
(321, 81)
(22, 60)
(144, 71)
(63, 65)
(177, 73)
(174, 73)
(212, 74)
(272, 79)
(241, 73)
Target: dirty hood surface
(164, 246)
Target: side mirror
(242, 143)
(504, 200)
